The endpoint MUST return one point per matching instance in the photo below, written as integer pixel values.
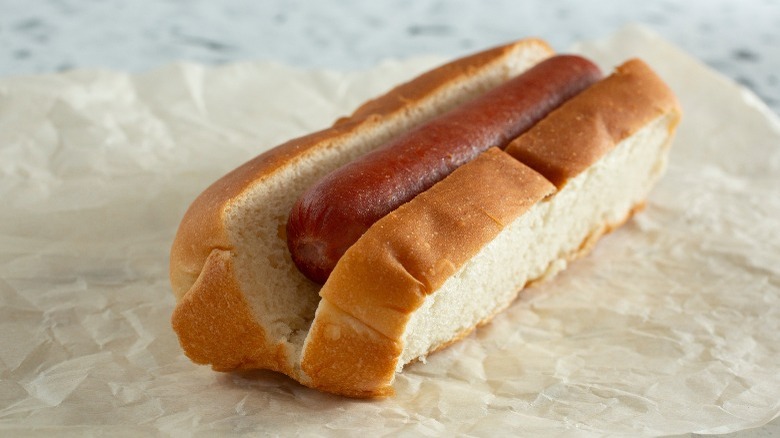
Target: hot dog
(335, 212)
(428, 272)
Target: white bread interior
(539, 243)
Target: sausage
(332, 214)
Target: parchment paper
(671, 325)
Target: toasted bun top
(584, 129)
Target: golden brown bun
(242, 305)
(356, 341)
(217, 318)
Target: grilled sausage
(332, 214)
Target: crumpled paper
(672, 324)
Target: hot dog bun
(439, 265)
(241, 302)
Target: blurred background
(739, 38)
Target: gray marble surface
(741, 39)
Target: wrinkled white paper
(671, 325)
